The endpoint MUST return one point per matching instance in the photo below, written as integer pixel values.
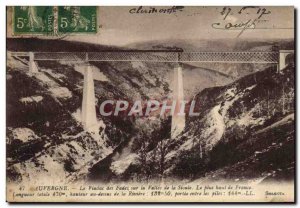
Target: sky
(120, 27)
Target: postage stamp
(33, 19)
(77, 19)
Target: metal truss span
(215, 57)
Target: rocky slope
(245, 131)
(44, 133)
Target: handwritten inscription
(155, 10)
(236, 20)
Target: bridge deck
(215, 57)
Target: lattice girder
(216, 57)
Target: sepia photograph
(150, 104)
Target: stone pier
(178, 120)
(89, 118)
(32, 65)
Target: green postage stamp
(77, 19)
(33, 19)
(44, 19)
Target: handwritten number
(263, 12)
(223, 12)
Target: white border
(4, 3)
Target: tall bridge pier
(88, 109)
(178, 119)
(32, 65)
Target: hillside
(245, 132)
(214, 45)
